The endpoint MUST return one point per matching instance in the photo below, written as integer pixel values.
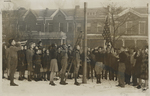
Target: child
(37, 62)
(46, 63)
(21, 61)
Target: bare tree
(10, 28)
(117, 21)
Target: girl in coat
(37, 62)
(46, 63)
(29, 57)
(21, 63)
(144, 68)
(138, 56)
(99, 66)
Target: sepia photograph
(75, 47)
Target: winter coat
(21, 60)
(13, 56)
(144, 67)
(37, 62)
(4, 66)
(128, 65)
(29, 57)
(46, 61)
(137, 66)
(107, 60)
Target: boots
(99, 78)
(62, 82)
(52, 83)
(8, 78)
(12, 82)
(29, 78)
(20, 78)
(76, 83)
(48, 76)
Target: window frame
(127, 27)
(140, 27)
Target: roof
(91, 12)
(141, 10)
(40, 13)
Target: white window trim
(127, 25)
(140, 27)
(99, 25)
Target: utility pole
(85, 44)
(148, 12)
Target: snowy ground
(42, 88)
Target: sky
(54, 4)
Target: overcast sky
(54, 4)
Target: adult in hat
(13, 59)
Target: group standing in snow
(55, 61)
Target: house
(63, 26)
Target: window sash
(142, 26)
(128, 27)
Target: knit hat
(10, 41)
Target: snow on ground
(42, 88)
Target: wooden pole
(85, 44)
(148, 12)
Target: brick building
(64, 25)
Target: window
(28, 28)
(38, 27)
(99, 28)
(142, 27)
(88, 27)
(61, 28)
(129, 27)
(78, 27)
(70, 27)
(50, 27)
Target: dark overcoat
(29, 57)
(21, 60)
(13, 57)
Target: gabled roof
(91, 12)
(40, 13)
(52, 16)
(134, 11)
(141, 10)
(27, 12)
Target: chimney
(76, 9)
